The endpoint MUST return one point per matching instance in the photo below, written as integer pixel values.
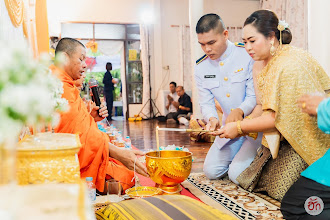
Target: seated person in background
(315, 180)
(183, 105)
(97, 157)
(172, 97)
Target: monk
(97, 157)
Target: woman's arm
(263, 123)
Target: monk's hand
(228, 131)
(309, 103)
(103, 111)
(98, 116)
(128, 158)
(235, 115)
(212, 125)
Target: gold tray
(48, 158)
(142, 191)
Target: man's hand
(128, 157)
(213, 124)
(169, 98)
(103, 111)
(235, 115)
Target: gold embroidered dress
(291, 73)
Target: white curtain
(235, 34)
(295, 14)
(145, 52)
(186, 51)
(7, 30)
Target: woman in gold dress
(282, 73)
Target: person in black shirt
(184, 106)
(109, 82)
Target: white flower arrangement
(29, 93)
(282, 25)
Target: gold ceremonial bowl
(169, 168)
(48, 158)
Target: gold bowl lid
(142, 191)
(49, 141)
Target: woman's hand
(309, 103)
(228, 131)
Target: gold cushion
(160, 207)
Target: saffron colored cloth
(93, 156)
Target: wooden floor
(143, 136)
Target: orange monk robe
(94, 154)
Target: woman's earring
(272, 49)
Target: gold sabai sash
(291, 73)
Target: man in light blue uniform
(224, 73)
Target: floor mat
(232, 199)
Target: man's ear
(225, 34)
(62, 58)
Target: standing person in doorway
(109, 82)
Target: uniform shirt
(175, 97)
(228, 80)
(185, 101)
(107, 81)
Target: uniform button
(226, 78)
(221, 63)
(228, 95)
(231, 109)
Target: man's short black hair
(174, 83)
(68, 45)
(210, 22)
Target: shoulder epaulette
(237, 44)
(201, 59)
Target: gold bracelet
(239, 129)
(248, 117)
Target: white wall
(172, 12)
(232, 12)
(108, 11)
(319, 32)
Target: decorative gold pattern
(169, 168)
(44, 164)
(279, 174)
(291, 73)
(249, 178)
(15, 10)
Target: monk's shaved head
(67, 45)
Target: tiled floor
(143, 136)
